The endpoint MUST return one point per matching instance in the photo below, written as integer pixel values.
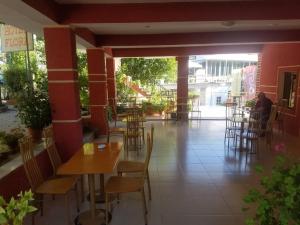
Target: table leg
(99, 194)
(93, 216)
(241, 136)
(102, 184)
(91, 178)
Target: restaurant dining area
(101, 145)
(195, 178)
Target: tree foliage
(83, 78)
(149, 71)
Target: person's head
(261, 96)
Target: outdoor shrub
(15, 79)
(34, 109)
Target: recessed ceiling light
(228, 23)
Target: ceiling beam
(204, 38)
(50, 9)
(87, 36)
(185, 51)
(180, 11)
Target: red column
(111, 81)
(98, 88)
(182, 88)
(63, 88)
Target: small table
(92, 160)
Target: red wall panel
(275, 56)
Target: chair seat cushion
(130, 166)
(57, 186)
(117, 184)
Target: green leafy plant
(11, 138)
(15, 78)
(278, 203)
(34, 109)
(14, 211)
(250, 103)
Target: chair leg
(82, 187)
(106, 208)
(77, 196)
(149, 187)
(144, 206)
(67, 209)
(42, 204)
(33, 218)
(143, 135)
(108, 134)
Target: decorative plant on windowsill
(14, 211)
(278, 203)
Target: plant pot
(36, 134)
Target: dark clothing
(265, 106)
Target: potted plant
(34, 111)
(14, 211)
(278, 201)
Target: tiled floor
(195, 179)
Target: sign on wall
(14, 39)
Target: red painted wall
(16, 181)
(274, 57)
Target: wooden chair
(117, 184)
(282, 106)
(133, 133)
(115, 115)
(126, 166)
(252, 134)
(55, 157)
(268, 131)
(113, 130)
(142, 119)
(231, 126)
(58, 186)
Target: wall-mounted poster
(249, 82)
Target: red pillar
(111, 81)
(182, 88)
(98, 88)
(63, 88)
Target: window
(288, 88)
(218, 100)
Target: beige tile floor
(195, 179)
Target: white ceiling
(190, 27)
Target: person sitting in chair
(264, 106)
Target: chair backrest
(230, 110)
(133, 122)
(106, 112)
(148, 154)
(272, 117)
(282, 107)
(51, 148)
(32, 170)
(254, 124)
